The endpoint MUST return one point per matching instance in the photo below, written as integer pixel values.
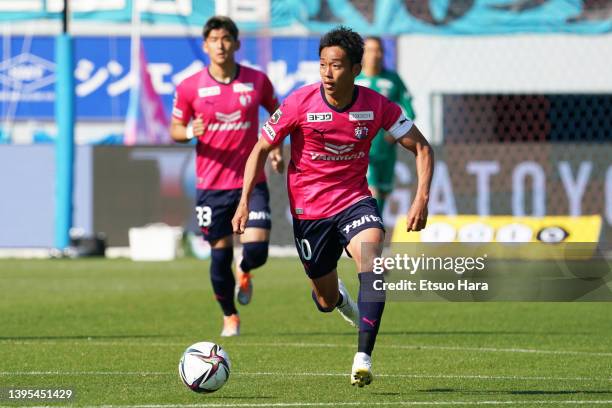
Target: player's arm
(270, 103)
(254, 166)
(414, 141)
(183, 133)
(276, 159)
(183, 113)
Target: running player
(222, 102)
(332, 125)
(383, 152)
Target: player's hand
(198, 126)
(277, 161)
(417, 216)
(240, 218)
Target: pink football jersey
(230, 115)
(329, 147)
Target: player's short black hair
(217, 22)
(345, 38)
(377, 39)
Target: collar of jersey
(347, 107)
(223, 83)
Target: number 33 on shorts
(204, 215)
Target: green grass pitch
(114, 331)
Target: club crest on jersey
(275, 117)
(245, 99)
(319, 117)
(361, 132)
(357, 116)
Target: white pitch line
(340, 403)
(304, 374)
(453, 348)
(331, 345)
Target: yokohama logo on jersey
(229, 126)
(229, 122)
(327, 157)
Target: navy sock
(325, 310)
(222, 279)
(254, 255)
(371, 305)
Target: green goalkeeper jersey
(389, 84)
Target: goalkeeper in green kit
(382, 153)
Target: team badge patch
(275, 117)
(361, 132)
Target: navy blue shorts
(320, 242)
(215, 210)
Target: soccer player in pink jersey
(332, 125)
(222, 103)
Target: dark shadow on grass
(563, 392)
(85, 337)
(440, 390)
(386, 394)
(430, 333)
(242, 397)
(518, 392)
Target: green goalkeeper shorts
(380, 175)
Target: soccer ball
(204, 367)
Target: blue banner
(380, 17)
(102, 65)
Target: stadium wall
(120, 187)
(513, 64)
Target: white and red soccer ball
(204, 367)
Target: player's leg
(319, 250)
(214, 218)
(364, 247)
(363, 232)
(329, 293)
(325, 291)
(254, 242)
